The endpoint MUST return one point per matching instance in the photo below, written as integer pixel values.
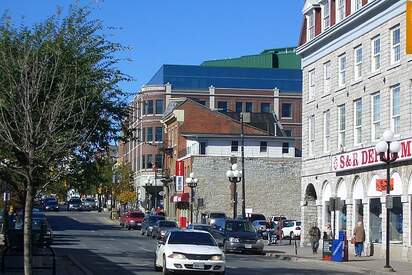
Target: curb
(286, 257)
(79, 265)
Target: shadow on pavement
(283, 271)
(63, 223)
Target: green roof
(282, 58)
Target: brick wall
(272, 185)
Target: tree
(59, 99)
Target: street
(102, 247)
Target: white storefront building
(357, 83)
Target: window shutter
(364, 2)
(332, 12)
(303, 32)
(318, 21)
(348, 7)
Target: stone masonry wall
(272, 185)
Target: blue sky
(181, 31)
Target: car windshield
(154, 219)
(239, 226)
(202, 227)
(260, 223)
(167, 224)
(217, 215)
(51, 202)
(288, 223)
(191, 238)
(136, 215)
(298, 223)
(90, 200)
(75, 201)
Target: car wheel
(225, 248)
(164, 269)
(221, 273)
(129, 227)
(156, 268)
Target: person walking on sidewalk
(359, 238)
(314, 234)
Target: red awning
(182, 197)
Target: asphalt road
(103, 247)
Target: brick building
(229, 89)
(207, 142)
(357, 83)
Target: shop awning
(183, 197)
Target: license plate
(248, 246)
(198, 266)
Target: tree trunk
(27, 231)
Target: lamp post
(388, 150)
(149, 183)
(234, 176)
(192, 183)
(6, 198)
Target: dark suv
(149, 222)
(239, 236)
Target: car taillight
(298, 228)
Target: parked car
(132, 219)
(189, 251)
(39, 223)
(149, 222)
(255, 217)
(291, 229)
(278, 219)
(213, 216)
(201, 227)
(89, 204)
(50, 204)
(260, 227)
(74, 204)
(240, 236)
(161, 227)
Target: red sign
(367, 157)
(179, 168)
(381, 185)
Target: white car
(291, 229)
(190, 251)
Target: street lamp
(192, 183)
(234, 176)
(6, 199)
(149, 182)
(388, 150)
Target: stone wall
(272, 185)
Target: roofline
(195, 135)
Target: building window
(286, 110)
(376, 54)
(159, 134)
(265, 107)
(159, 161)
(326, 15)
(356, 5)
(311, 84)
(149, 132)
(326, 78)
(222, 106)
(149, 107)
(357, 108)
(341, 126)
(341, 10)
(358, 57)
(285, 148)
(342, 70)
(203, 102)
(202, 150)
(249, 107)
(159, 106)
(239, 107)
(143, 162)
(263, 146)
(311, 25)
(288, 133)
(395, 45)
(376, 116)
(149, 161)
(396, 109)
(235, 146)
(326, 131)
(396, 220)
(375, 220)
(311, 134)
(144, 135)
(143, 107)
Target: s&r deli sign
(367, 157)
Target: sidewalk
(367, 265)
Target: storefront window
(342, 219)
(375, 220)
(396, 220)
(358, 211)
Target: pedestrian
(278, 234)
(314, 234)
(270, 228)
(359, 238)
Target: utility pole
(242, 143)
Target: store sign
(179, 168)
(367, 157)
(179, 184)
(409, 27)
(381, 185)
